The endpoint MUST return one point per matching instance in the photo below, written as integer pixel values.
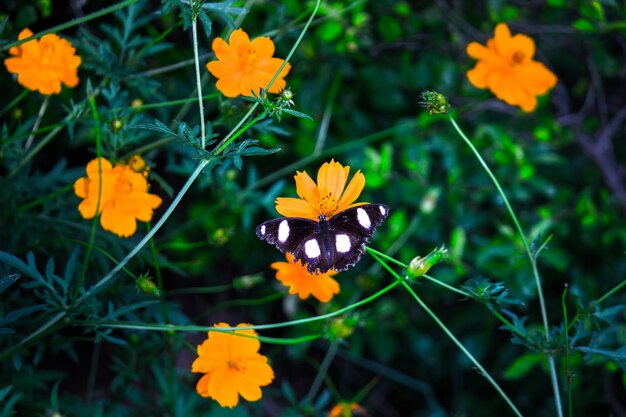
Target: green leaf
(19, 313)
(522, 365)
(7, 281)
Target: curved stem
(531, 258)
(450, 335)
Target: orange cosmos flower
(43, 64)
(124, 197)
(344, 409)
(232, 367)
(506, 67)
(300, 281)
(244, 66)
(328, 197)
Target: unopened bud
(145, 284)
(245, 282)
(434, 102)
(420, 265)
(116, 125)
(342, 327)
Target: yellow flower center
(250, 59)
(47, 53)
(125, 186)
(518, 57)
(327, 204)
(237, 365)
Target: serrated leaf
(129, 308)
(207, 24)
(618, 356)
(7, 281)
(18, 264)
(297, 114)
(19, 313)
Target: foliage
(94, 324)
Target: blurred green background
(358, 73)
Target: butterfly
(336, 243)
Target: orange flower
(300, 281)
(232, 367)
(124, 197)
(244, 66)
(328, 197)
(506, 67)
(42, 65)
(344, 409)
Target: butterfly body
(336, 243)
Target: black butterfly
(336, 243)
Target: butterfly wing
(360, 220)
(286, 233)
(341, 243)
(337, 251)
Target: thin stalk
(194, 31)
(328, 112)
(45, 198)
(15, 101)
(321, 372)
(42, 111)
(449, 334)
(159, 275)
(193, 328)
(94, 222)
(71, 23)
(531, 258)
(568, 375)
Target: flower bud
(116, 125)
(145, 284)
(434, 102)
(245, 282)
(420, 265)
(342, 327)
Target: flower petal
(352, 192)
(202, 387)
(331, 178)
(295, 207)
(223, 387)
(118, 222)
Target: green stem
(531, 258)
(450, 335)
(94, 222)
(159, 276)
(71, 23)
(42, 111)
(385, 256)
(15, 101)
(321, 373)
(570, 409)
(194, 31)
(45, 198)
(193, 328)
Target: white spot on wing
(263, 229)
(283, 231)
(343, 242)
(312, 249)
(363, 218)
(383, 210)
